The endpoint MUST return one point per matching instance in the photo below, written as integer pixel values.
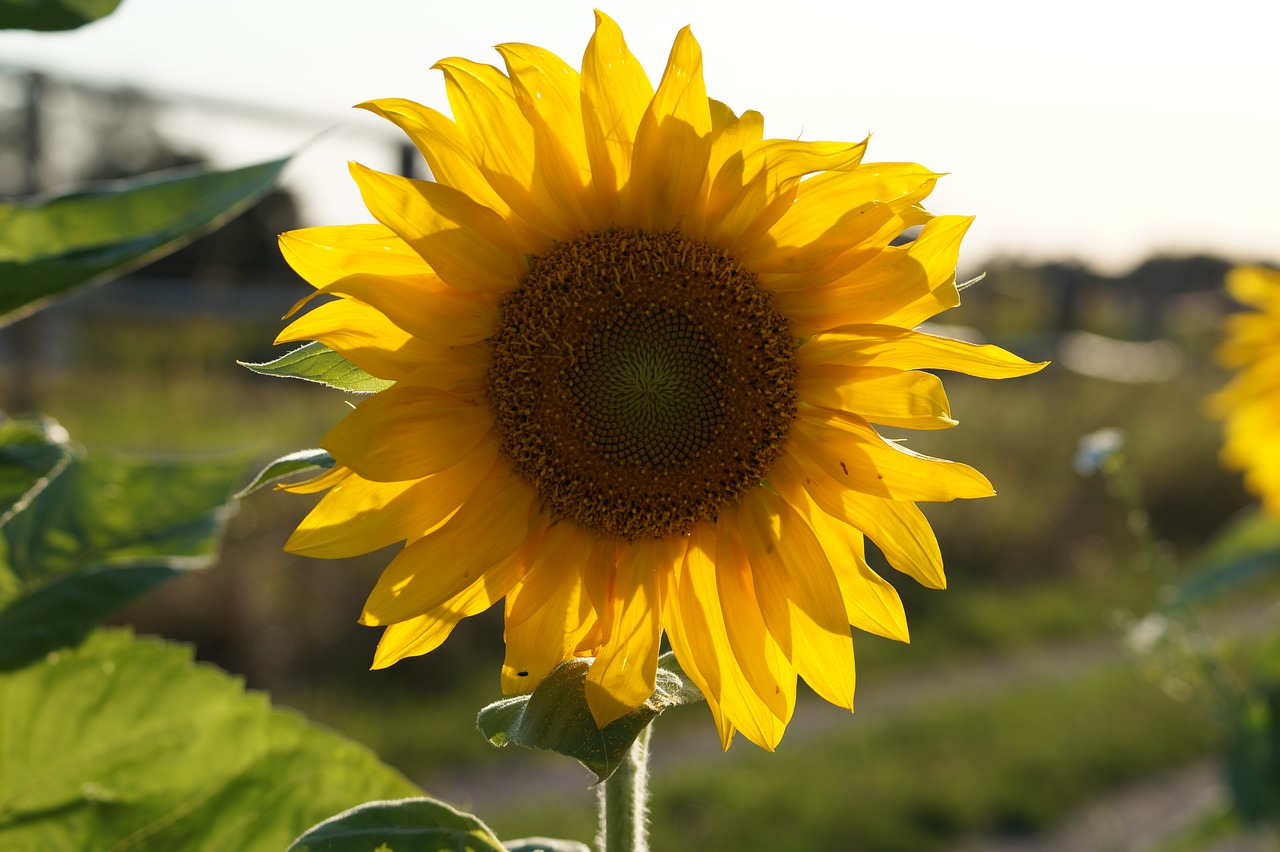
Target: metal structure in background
(57, 130)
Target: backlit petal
(406, 432)
(468, 245)
(429, 572)
(905, 349)
(623, 675)
(615, 94)
(798, 594)
(673, 144)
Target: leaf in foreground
(104, 531)
(555, 716)
(407, 824)
(51, 15)
(53, 246)
(126, 743)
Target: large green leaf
(316, 362)
(50, 247)
(125, 743)
(555, 716)
(51, 15)
(32, 453)
(407, 825)
(109, 528)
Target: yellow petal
(623, 675)
(549, 95)
(908, 399)
(673, 144)
(415, 637)
(422, 305)
(360, 516)
(408, 432)
(548, 613)
(870, 602)
(487, 528)
(324, 255)
(845, 448)
(468, 245)
(835, 212)
(904, 349)
(378, 346)
(897, 527)
(829, 271)
(798, 594)
(615, 94)
(756, 186)
(502, 144)
(424, 633)
(696, 628)
(764, 664)
(902, 285)
(443, 146)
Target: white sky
(1100, 130)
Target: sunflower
(1250, 403)
(637, 352)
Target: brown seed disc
(641, 382)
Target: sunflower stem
(623, 802)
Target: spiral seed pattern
(641, 382)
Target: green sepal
(555, 716)
(420, 825)
(54, 245)
(52, 15)
(127, 743)
(298, 462)
(316, 362)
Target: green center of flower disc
(641, 382)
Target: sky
(1098, 131)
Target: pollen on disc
(641, 382)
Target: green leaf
(299, 462)
(316, 362)
(109, 528)
(545, 844)
(32, 454)
(1247, 551)
(412, 825)
(1253, 756)
(555, 716)
(52, 246)
(126, 743)
(49, 15)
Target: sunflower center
(641, 382)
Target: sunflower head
(1250, 403)
(637, 353)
